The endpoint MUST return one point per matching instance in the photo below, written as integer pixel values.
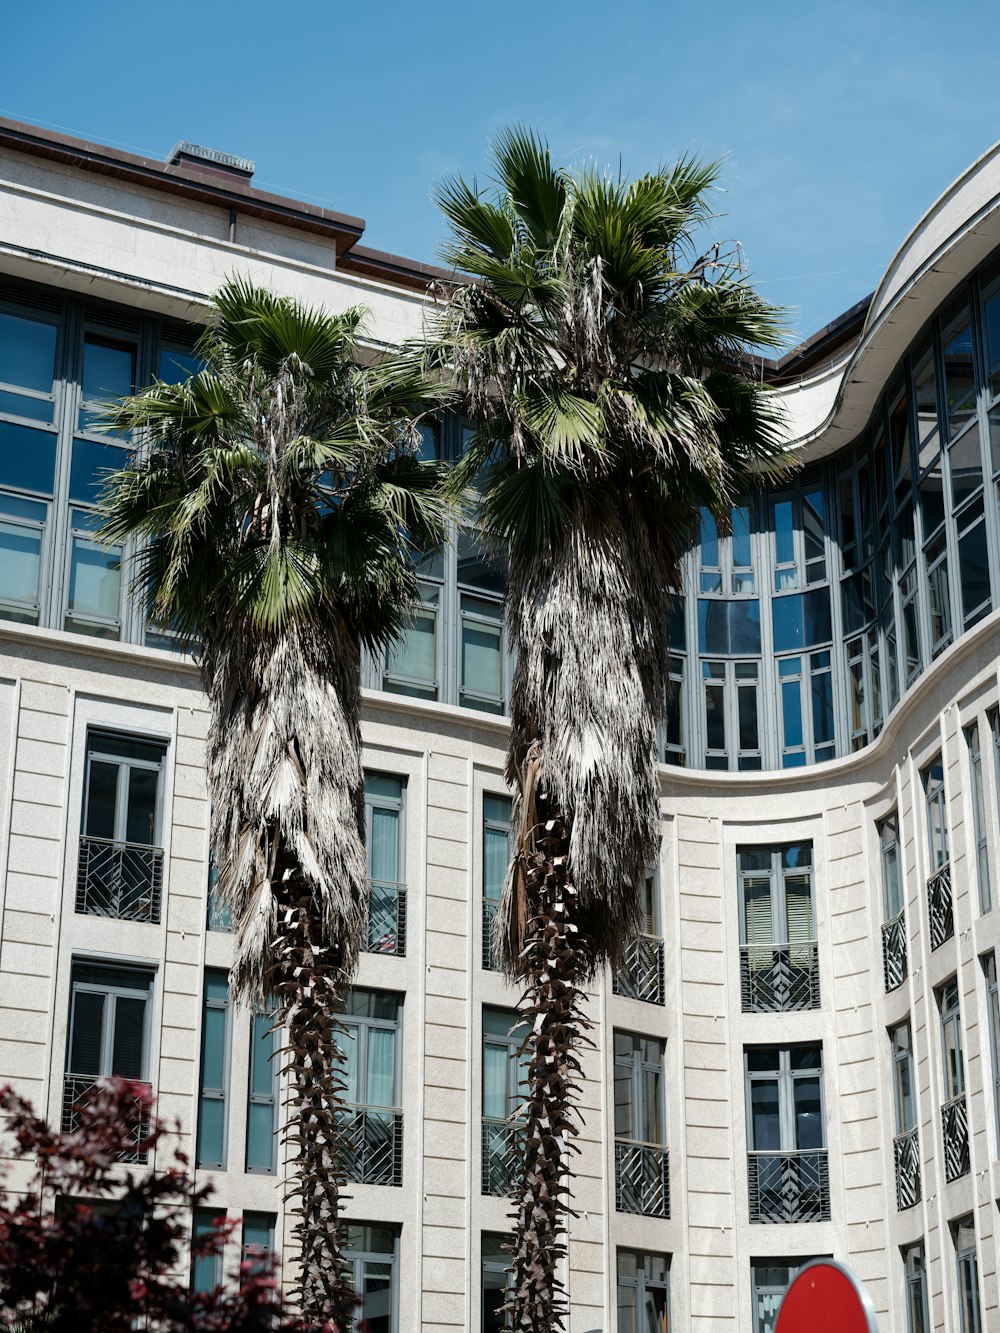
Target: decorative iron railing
(489, 916)
(371, 1144)
(386, 918)
(75, 1092)
(907, 1157)
(779, 977)
(643, 976)
(789, 1186)
(119, 879)
(939, 906)
(642, 1178)
(500, 1155)
(955, 1131)
(894, 963)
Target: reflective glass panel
(27, 458)
(27, 352)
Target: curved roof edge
(828, 409)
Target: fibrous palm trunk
(303, 979)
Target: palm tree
(276, 503)
(607, 362)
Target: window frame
(220, 1094)
(638, 1066)
(117, 992)
(640, 1283)
(786, 1078)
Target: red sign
(826, 1297)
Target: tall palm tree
(276, 503)
(607, 362)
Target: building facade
(803, 1057)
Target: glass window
(372, 1255)
(937, 822)
(989, 963)
(411, 663)
(481, 681)
(219, 914)
(675, 751)
(93, 604)
(801, 621)
(27, 352)
(497, 1281)
(372, 1020)
(262, 1097)
(892, 887)
(776, 894)
(496, 856)
(959, 373)
(902, 1078)
(915, 1269)
(214, 1083)
(643, 1292)
(176, 365)
(965, 465)
(505, 1068)
(964, 1235)
(384, 842)
(979, 817)
(108, 1026)
(257, 1249)
(122, 789)
(640, 1112)
(951, 1040)
(108, 368)
(22, 528)
(770, 1279)
(206, 1269)
(785, 1099)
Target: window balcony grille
(501, 1155)
(779, 977)
(489, 916)
(642, 1178)
(894, 963)
(643, 976)
(955, 1131)
(387, 918)
(907, 1157)
(939, 906)
(76, 1088)
(119, 879)
(371, 1144)
(789, 1186)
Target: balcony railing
(642, 1178)
(371, 1144)
(939, 906)
(643, 976)
(894, 952)
(907, 1158)
(779, 977)
(387, 918)
(75, 1090)
(500, 1155)
(119, 879)
(489, 916)
(789, 1186)
(955, 1131)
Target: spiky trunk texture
(287, 789)
(554, 959)
(587, 623)
(304, 981)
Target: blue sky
(841, 121)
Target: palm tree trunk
(304, 981)
(555, 957)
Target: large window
(642, 1182)
(905, 1149)
(779, 967)
(504, 1073)
(964, 1236)
(643, 1292)
(120, 867)
(786, 1133)
(386, 863)
(372, 1255)
(496, 1283)
(257, 1241)
(496, 855)
(954, 1115)
(372, 1130)
(915, 1271)
(895, 963)
(993, 1010)
(770, 1279)
(109, 1033)
(206, 1269)
(979, 817)
(940, 906)
(213, 1098)
(262, 1099)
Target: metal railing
(894, 964)
(371, 1144)
(955, 1132)
(939, 906)
(643, 976)
(642, 1178)
(779, 977)
(119, 879)
(789, 1186)
(489, 916)
(906, 1154)
(75, 1090)
(386, 918)
(500, 1155)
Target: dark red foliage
(94, 1245)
